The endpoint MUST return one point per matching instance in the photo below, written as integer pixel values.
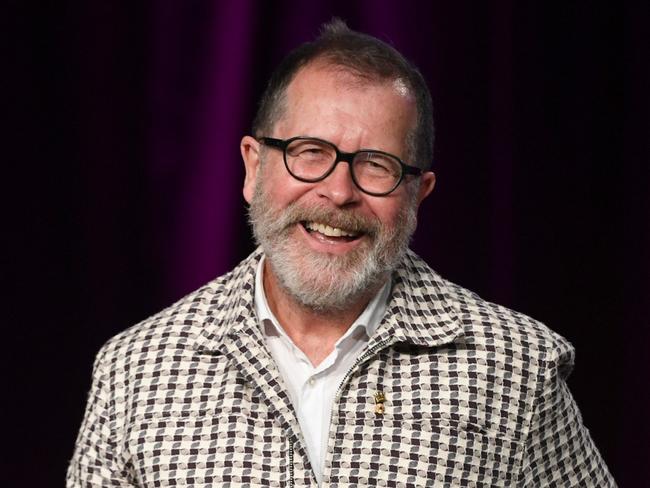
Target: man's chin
(323, 281)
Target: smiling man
(333, 355)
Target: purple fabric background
(123, 182)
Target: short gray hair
(363, 56)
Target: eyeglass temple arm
(270, 141)
(411, 170)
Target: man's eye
(375, 166)
(312, 153)
(306, 149)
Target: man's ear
(427, 182)
(250, 153)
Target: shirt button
(311, 381)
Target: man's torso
(196, 398)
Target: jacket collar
(421, 310)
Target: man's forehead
(346, 77)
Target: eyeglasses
(311, 160)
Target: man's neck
(314, 332)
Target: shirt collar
(368, 320)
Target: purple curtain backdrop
(124, 182)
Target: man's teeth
(328, 231)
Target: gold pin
(380, 398)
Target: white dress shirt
(312, 389)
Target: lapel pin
(380, 398)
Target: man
(333, 355)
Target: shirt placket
(313, 400)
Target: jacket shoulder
(509, 331)
(179, 325)
(489, 326)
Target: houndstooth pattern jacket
(474, 396)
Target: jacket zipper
(291, 474)
(360, 360)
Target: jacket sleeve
(559, 450)
(97, 459)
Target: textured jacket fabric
(475, 395)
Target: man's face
(329, 244)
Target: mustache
(346, 219)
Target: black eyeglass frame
(282, 144)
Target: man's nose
(338, 186)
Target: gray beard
(326, 283)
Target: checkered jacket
(475, 395)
